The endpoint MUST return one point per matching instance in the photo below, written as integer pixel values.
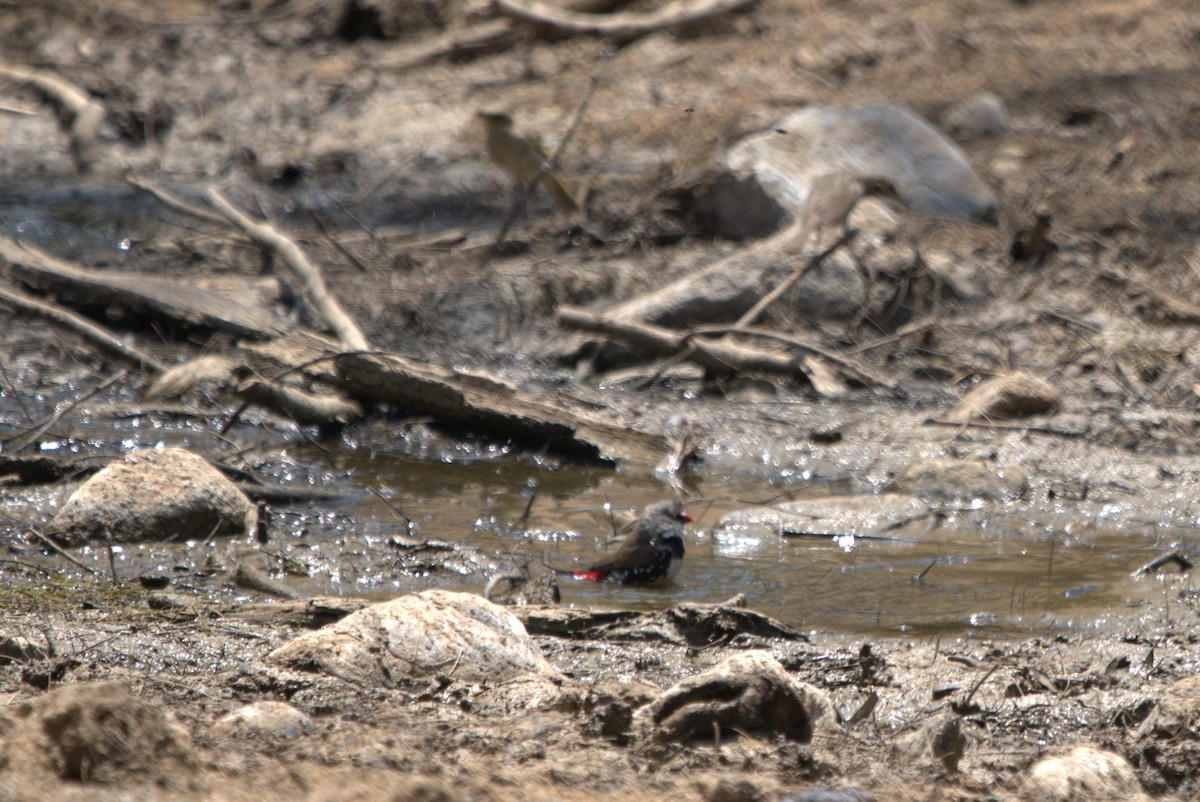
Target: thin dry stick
(172, 200)
(97, 335)
(756, 310)
(322, 224)
(310, 277)
(848, 365)
(50, 544)
(621, 26)
(81, 113)
(33, 434)
(584, 102)
(791, 281)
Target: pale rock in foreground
(1083, 773)
(153, 494)
(427, 634)
(266, 718)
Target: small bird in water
(832, 197)
(524, 159)
(652, 551)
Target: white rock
(1084, 772)
(432, 633)
(266, 718)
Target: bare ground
(307, 105)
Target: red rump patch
(591, 576)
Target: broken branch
(622, 26)
(267, 236)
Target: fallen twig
(81, 115)
(1010, 427)
(267, 236)
(721, 356)
(33, 434)
(847, 365)
(174, 201)
(1177, 557)
(493, 34)
(97, 335)
(622, 26)
(302, 406)
(774, 295)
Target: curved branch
(267, 236)
(80, 113)
(621, 26)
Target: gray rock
(931, 173)
(975, 117)
(421, 635)
(153, 495)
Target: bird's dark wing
(633, 551)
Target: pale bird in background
(833, 197)
(524, 159)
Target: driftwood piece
(311, 613)
(304, 407)
(267, 236)
(495, 408)
(136, 293)
(81, 115)
(490, 35)
(720, 356)
(177, 381)
(93, 333)
(622, 26)
(1152, 302)
(846, 365)
(721, 292)
(754, 312)
(690, 624)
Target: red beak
(687, 519)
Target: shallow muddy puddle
(1011, 579)
(996, 571)
(982, 570)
